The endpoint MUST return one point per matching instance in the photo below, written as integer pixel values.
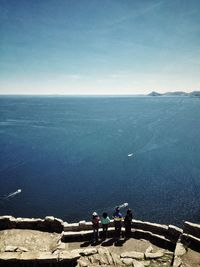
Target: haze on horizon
(99, 47)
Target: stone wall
(191, 235)
(160, 234)
(48, 224)
(165, 233)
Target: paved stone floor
(29, 240)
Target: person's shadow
(119, 242)
(86, 244)
(108, 242)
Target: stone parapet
(170, 232)
(49, 224)
(174, 232)
(191, 229)
(191, 241)
(155, 228)
(161, 233)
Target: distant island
(176, 93)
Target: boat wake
(11, 195)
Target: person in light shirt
(105, 220)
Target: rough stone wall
(162, 234)
(191, 235)
(49, 224)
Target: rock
(82, 263)
(29, 256)
(138, 263)
(180, 250)
(133, 255)
(62, 246)
(115, 258)
(88, 251)
(109, 258)
(15, 249)
(95, 259)
(49, 218)
(46, 257)
(52, 224)
(67, 255)
(7, 222)
(169, 253)
(7, 256)
(177, 262)
(154, 255)
(102, 250)
(28, 223)
(127, 261)
(149, 249)
(146, 263)
(82, 222)
(105, 255)
(10, 248)
(75, 253)
(22, 249)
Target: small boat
(130, 155)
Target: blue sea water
(69, 155)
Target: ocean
(71, 156)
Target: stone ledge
(192, 229)
(191, 241)
(72, 236)
(174, 232)
(49, 224)
(155, 228)
(158, 240)
(38, 256)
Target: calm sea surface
(69, 156)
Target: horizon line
(109, 94)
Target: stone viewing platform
(52, 242)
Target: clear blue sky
(99, 46)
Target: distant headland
(176, 93)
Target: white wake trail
(11, 195)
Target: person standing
(105, 220)
(128, 223)
(95, 226)
(118, 218)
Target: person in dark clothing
(128, 223)
(95, 226)
(118, 218)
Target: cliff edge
(52, 242)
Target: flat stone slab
(39, 256)
(127, 261)
(155, 255)
(138, 263)
(7, 256)
(28, 240)
(180, 250)
(177, 262)
(133, 254)
(67, 255)
(88, 251)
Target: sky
(82, 47)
